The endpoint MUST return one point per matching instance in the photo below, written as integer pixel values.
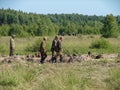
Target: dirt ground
(66, 58)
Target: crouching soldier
(43, 50)
(59, 49)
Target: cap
(44, 38)
(61, 37)
(56, 37)
(13, 35)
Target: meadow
(71, 44)
(102, 74)
(89, 75)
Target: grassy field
(71, 44)
(89, 75)
(100, 74)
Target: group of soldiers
(56, 49)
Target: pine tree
(110, 28)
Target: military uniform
(54, 49)
(59, 50)
(43, 51)
(12, 46)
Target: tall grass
(88, 75)
(113, 82)
(18, 74)
(71, 44)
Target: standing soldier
(12, 45)
(54, 49)
(43, 50)
(59, 49)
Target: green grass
(71, 44)
(113, 82)
(16, 74)
(89, 75)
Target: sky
(85, 7)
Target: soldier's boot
(61, 59)
(52, 59)
(42, 61)
(55, 60)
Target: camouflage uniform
(54, 49)
(12, 45)
(43, 50)
(59, 49)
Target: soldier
(59, 49)
(54, 49)
(43, 50)
(12, 45)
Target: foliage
(34, 47)
(110, 28)
(100, 43)
(32, 24)
(51, 24)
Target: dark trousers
(43, 57)
(59, 54)
(54, 59)
(11, 51)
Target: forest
(80, 70)
(24, 24)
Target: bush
(35, 47)
(100, 44)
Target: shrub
(34, 47)
(100, 44)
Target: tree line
(31, 24)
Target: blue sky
(86, 7)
